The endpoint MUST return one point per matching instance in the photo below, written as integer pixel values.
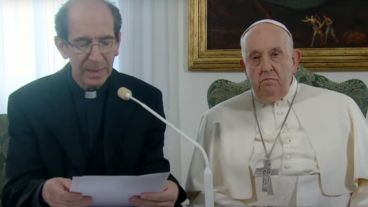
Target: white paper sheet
(116, 190)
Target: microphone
(127, 95)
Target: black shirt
(90, 113)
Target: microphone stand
(208, 180)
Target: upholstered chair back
(4, 139)
(221, 90)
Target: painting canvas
(333, 34)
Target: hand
(55, 192)
(166, 198)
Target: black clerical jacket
(46, 139)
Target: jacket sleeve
(22, 172)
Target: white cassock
(321, 153)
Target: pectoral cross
(266, 173)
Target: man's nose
(266, 64)
(95, 54)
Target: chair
(4, 139)
(221, 90)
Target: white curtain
(27, 49)
(150, 50)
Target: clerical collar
(80, 93)
(289, 96)
(90, 94)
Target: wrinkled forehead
(269, 21)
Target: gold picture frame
(227, 60)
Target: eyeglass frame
(78, 50)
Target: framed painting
(332, 34)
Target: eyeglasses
(85, 46)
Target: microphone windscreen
(124, 93)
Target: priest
(72, 123)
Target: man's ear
(242, 65)
(297, 55)
(61, 46)
(118, 39)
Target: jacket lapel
(116, 122)
(66, 122)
